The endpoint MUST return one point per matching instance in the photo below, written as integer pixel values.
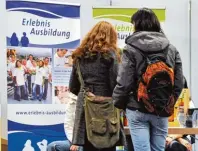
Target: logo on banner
(44, 28)
(33, 24)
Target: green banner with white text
(121, 19)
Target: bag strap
(80, 74)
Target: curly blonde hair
(101, 38)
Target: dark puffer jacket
(99, 72)
(132, 63)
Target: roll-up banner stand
(40, 39)
(0, 123)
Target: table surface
(173, 130)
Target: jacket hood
(148, 41)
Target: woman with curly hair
(98, 58)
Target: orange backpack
(155, 86)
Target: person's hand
(74, 148)
(168, 140)
(50, 77)
(185, 143)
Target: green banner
(123, 14)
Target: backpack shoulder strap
(144, 61)
(80, 74)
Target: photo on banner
(62, 64)
(29, 79)
(120, 18)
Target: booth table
(173, 130)
(182, 130)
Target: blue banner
(45, 25)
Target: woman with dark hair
(98, 58)
(147, 127)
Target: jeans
(29, 83)
(34, 92)
(15, 93)
(60, 146)
(26, 85)
(148, 131)
(21, 93)
(45, 89)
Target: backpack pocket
(98, 126)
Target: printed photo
(29, 75)
(62, 95)
(62, 58)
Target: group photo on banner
(29, 75)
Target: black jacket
(99, 72)
(185, 83)
(129, 71)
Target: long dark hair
(146, 20)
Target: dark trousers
(15, 92)
(34, 93)
(29, 84)
(129, 144)
(21, 93)
(45, 89)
